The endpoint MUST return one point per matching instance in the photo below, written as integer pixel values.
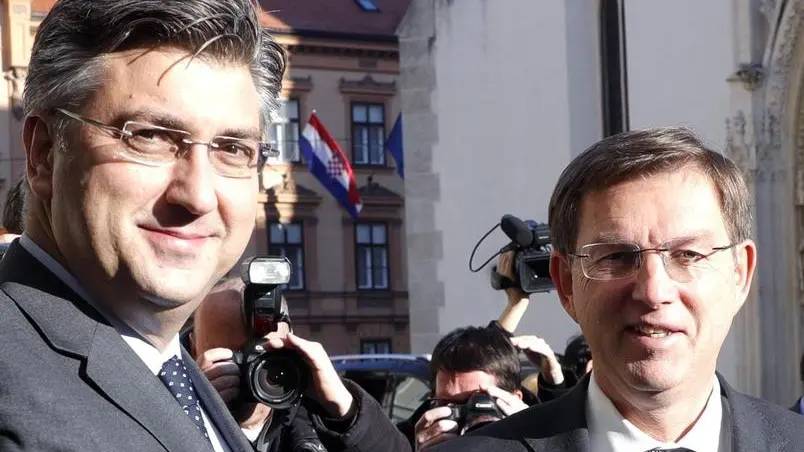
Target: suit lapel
(751, 430)
(71, 326)
(216, 410)
(140, 394)
(564, 425)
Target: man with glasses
(653, 259)
(144, 135)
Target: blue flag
(393, 144)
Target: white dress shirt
(152, 357)
(610, 432)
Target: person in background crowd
(14, 211)
(219, 329)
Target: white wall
(517, 94)
(680, 54)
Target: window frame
(282, 146)
(272, 250)
(386, 246)
(369, 125)
(376, 341)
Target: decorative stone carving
(749, 74)
(367, 85)
(740, 145)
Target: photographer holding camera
(476, 373)
(334, 415)
(551, 378)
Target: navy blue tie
(676, 449)
(177, 380)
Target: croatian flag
(327, 162)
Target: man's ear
(561, 274)
(746, 260)
(39, 144)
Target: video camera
(276, 378)
(531, 242)
(479, 410)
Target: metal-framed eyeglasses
(612, 261)
(152, 145)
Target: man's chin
(173, 289)
(654, 376)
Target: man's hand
(222, 373)
(326, 386)
(539, 353)
(432, 428)
(506, 266)
(508, 403)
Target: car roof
(417, 365)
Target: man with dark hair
(653, 258)
(466, 361)
(577, 358)
(144, 134)
(14, 208)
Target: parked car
(400, 382)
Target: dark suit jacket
(560, 426)
(69, 382)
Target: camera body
(277, 378)
(531, 242)
(480, 409)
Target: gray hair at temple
(643, 153)
(71, 43)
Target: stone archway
(773, 161)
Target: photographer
(551, 380)
(335, 414)
(465, 362)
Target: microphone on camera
(517, 230)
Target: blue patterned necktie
(175, 377)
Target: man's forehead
(173, 86)
(632, 209)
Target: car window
(409, 393)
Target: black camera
(531, 242)
(277, 378)
(480, 409)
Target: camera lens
(277, 379)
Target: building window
(368, 134)
(372, 256)
(286, 240)
(285, 132)
(375, 346)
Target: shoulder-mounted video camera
(530, 242)
(480, 409)
(277, 378)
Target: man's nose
(193, 181)
(654, 286)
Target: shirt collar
(609, 431)
(147, 352)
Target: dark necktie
(675, 449)
(175, 377)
